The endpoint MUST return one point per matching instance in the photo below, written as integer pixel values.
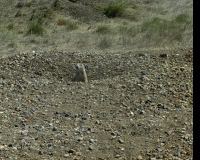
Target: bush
(182, 18)
(102, 29)
(114, 9)
(71, 25)
(35, 28)
(10, 26)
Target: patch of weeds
(147, 1)
(6, 36)
(61, 22)
(172, 29)
(132, 5)
(10, 26)
(29, 4)
(35, 27)
(82, 40)
(114, 9)
(71, 25)
(19, 5)
(127, 30)
(105, 42)
(182, 18)
(133, 18)
(103, 29)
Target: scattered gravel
(135, 106)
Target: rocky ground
(137, 105)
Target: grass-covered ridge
(97, 24)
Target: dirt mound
(136, 105)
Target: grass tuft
(114, 9)
(71, 25)
(10, 26)
(103, 29)
(35, 28)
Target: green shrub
(114, 9)
(102, 29)
(10, 26)
(182, 18)
(71, 25)
(35, 28)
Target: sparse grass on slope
(35, 27)
(163, 28)
(71, 25)
(103, 29)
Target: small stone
(91, 147)
(120, 141)
(10, 145)
(177, 154)
(71, 151)
(80, 139)
(117, 156)
(66, 155)
(142, 112)
(165, 106)
(49, 144)
(40, 152)
(54, 129)
(78, 153)
(153, 159)
(139, 157)
(91, 140)
(1, 147)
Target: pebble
(71, 151)
(120, 141)
(54, 129)
(177, 153)
(139, 157)
(165, 106)
(91, 147)
(66, 155)
(91, 140)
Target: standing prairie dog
(81, 75)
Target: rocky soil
(136, 105)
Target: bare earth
(136, 105)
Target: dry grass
(135, 24)
(61, 22)
(103, 29)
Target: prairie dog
(81, 75)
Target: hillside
(28, 25)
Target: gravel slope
(136, 106)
